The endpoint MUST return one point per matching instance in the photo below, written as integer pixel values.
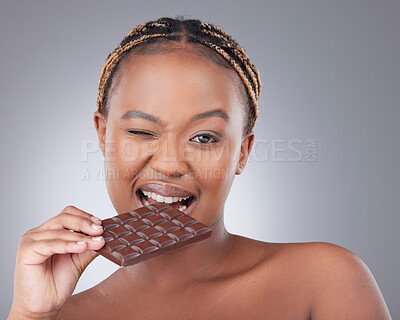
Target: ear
(100, 124)
(245, 149)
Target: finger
(83, 259)
(79, 212)
(72, 222)
(36, 252)
(93, 242)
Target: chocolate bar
(148, 232)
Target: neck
(198, 261)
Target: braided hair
(169, 34)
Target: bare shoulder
(79, 304)
(339, 283)
(87, 302)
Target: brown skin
(226, 276)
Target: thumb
(84, 258)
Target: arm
(344, 287)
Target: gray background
(329, 70)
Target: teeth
(146, 193)
(168, 200)
(181, 208)
(160, 198)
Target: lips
(179, 198)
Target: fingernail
(81, 242)
(97, 238)
(96, 226)
(95, 219)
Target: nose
(169, 159)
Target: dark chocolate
(148, 232)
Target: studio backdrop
(325, 162)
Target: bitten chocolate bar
(148, 232)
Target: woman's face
(175, 121)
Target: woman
(176, 107)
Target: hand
(50, 261)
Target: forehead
(178, 80)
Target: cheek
(125, 154)
(214, 167)
(125, 159)
(122, 163)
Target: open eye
(205, 138)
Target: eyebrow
(131, 114)
(213, 113)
